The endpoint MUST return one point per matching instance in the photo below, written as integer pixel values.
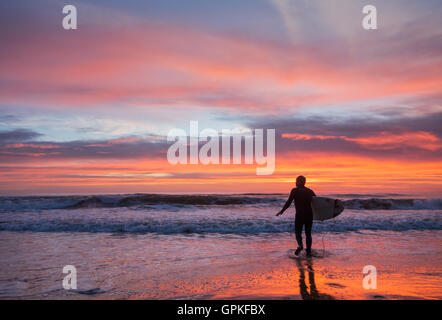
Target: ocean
(160, 246)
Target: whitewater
(243, 214)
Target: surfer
(304, 215)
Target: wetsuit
(304, 215)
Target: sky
(88, 110)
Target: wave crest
(226, 225)
(121, 201)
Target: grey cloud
(17, 135)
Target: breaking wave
(227, 225)
(161, 200)
(394, 204)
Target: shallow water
(154, 266)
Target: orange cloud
(30, 145)
(326, 173)
(382, 140)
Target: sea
(210, 246)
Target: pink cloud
(115, 142)
(29, 145)
(381, 140)
(150, 65)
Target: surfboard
(326, 208)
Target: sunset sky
(88, 110)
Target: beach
(216, 247)
(146, 148)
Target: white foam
(213, 219)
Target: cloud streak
(88, 110)
(151, 64)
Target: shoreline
(159, 267)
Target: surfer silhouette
(302, 196)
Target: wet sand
(147, 266)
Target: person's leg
(308, 235)
(298, 234)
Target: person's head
(300, 181)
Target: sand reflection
(313, 293)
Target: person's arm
(287, 203)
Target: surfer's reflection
(313, 294)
